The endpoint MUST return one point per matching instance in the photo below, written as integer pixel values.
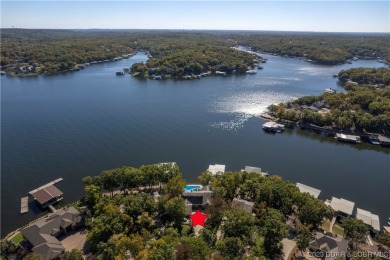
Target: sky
(315, 16)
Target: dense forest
(321, 48)
(30, 52)
(130, 219)
(193, 60)
(365, 107)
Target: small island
(364, 110)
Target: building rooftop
(250, 169)
(46, 194)
(242, 204)
(342, 205)
(369, 219)
(312, 191)
(41, 234)
(197, 197)
(333, 246)
(217, 168)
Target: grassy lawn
(326, 225)
(338, 230)
(17, 238)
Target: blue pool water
(192, 187)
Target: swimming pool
(189, 188)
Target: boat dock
(348, 138)
(46, 185)
(24, 205)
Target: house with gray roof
(330, 247)
(42, 234)
(194, 199)
(242, 204)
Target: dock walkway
(24, 205)
(46, 185)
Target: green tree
(193, 248)
(175, 186)
(303, 238)
(237, 223)
(75, 254)
(160, 250)
(92, 194)
(175, 211)
(383, 238)
(205, 178)
(273, 229)
(354, 230)
(231, 247)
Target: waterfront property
(43, 234)
(216, 169)
(348, 138)
(331, 247)
(47, 194)
(196, 199)
(371, 220)
(273, 127)
(250, 169)
(312, 191)
(342, 207)
(243, 204)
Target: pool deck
(196, 186)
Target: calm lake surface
(78, 124)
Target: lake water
(77, 124)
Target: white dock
(24, 205)
(46, 185)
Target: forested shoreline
(32, 52)
(364, 108)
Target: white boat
(251, 72)
(273, 127)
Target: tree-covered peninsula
(31, 52)
(178, 61)
(363, 108)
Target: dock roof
(368, 218)
(342, 205)
(217, 168)
(252, 169)
(46, 194)
(312, 191)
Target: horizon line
(176, 29)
